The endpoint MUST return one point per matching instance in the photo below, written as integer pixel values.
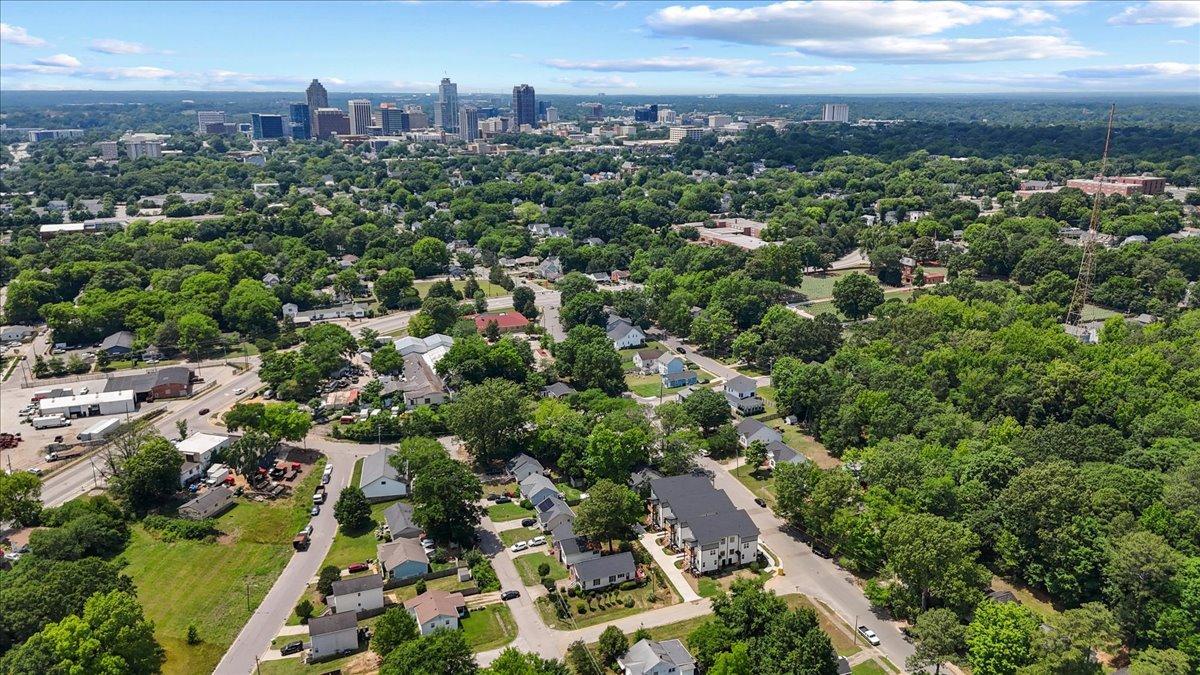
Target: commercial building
(200, 448)
(109, 150)
(507, 322)
(1126, 186)
(360, 116)
(718, 121)
(138, 146)
(300, 121)
(468, 123)
(835, 112)
(266, 126)
(445, 113)
(646, 114)
(330, 121)
(524, 105)
(38, 135)
(688, 133)
(551, 115)
(317, 98)
(205, 118)
(86, 405)
(393, 120)
(417, 117)
(165, 382)
(741, 232)
(593, 111)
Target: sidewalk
(667, 563)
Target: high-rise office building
(266, 126)
(524, 105)
(835, 112)
(317, 98)
(647, 114)
(330, 121)
(468, 123)
(445, 113)
(393, 121)
(542, 106)
(551, 115)
(593, 111)
(667, 116)
(301, 120)
(417, 117)
(360, 116)
(206, 117)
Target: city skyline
(614, 47)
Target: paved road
(548, 303)
(710, 364)
(271, 615)
(809, 574)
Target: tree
(794, 641)
(181, 427)
(490, 419)
(252, 308)
(612, 645)
(707, 408)
(442, 652)
(326, 577)
(939, 637)
(513, 662)
(197, 333)
(20, 498)
(524, 301)
(583, 309)
(581, 660)
(352, 511)
(112, 636)
(856, 294)
(248, 452)
(304, 610)
(429, 256)
(393, 286)
(150, 476)
(756, 454)
(393, 629)
(588, 357)
(445, 500)
(936, 558)
(38, 591)
(709, 641)
(1152, 661)
(736, 661)
(1000, 638)
(1140, 569)
(714, 329)
(387, 360)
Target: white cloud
(698, 64)
(955, 50)
(93, 73)
(599, 82)
(1147, 76)
(59, 61)
(111, 46)
(19, 36)
(1164, 70)
(1177, 13)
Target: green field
(871, 667)
(489, 627)
(209, 584)
(758, 482)
(489, 289)
(817, 286)
(527, 566)
(650, 386)
(500, 513)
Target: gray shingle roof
(376, 466)
(359, 584)
(645, 655)
(399, 519)
(711, 528)
(741, 384)
(606, 566)
(332, 623)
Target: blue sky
(585, 47)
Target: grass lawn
(501, 489)
(817, 286)
(758, 482)
(871, 667)
(356, 475)
(363, 661)
(627, 354)
(202, 583)
(680, 630)
(449, 584)
(527, 566)
(500, 513)
(807, 446)
(359, 545)
(489, 289)
(510, 537)
(571, 494)
(708, 588)
(839, 634)
(489, 627)
(1097, 313)
(606, 606)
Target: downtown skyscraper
(445, 113)
(317, 98)
(524, 106)
(360, 116)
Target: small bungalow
(357, 594)
(604, 571)
(650, 657)
(403, 559)
(332, 634)
(750, 430)
(436, 609)
(623, 333)
(537, 488)
(399, 520)
(558, 390)
(553, 512)
(380, 481)
(644, 359)
(571, 548)
(522, 466)
(118, 344)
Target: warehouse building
(86, 405)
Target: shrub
(628, 585)
(526, 504)
(193, 635)
(571, 592)
(548, 582)
(755, 567)
(176, 529)
(651, 597)
(543, 569)
(582, 608)
(420, 586)
(628, 601)
(304, 610)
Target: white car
(519, 546)
(84, 390)
(537, 541)
(870, 635)
(239, 391)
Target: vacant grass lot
(489, 289)
(500, 513)
(527, 566)
(839, 633)
(489, 627)
(205, 583)
(759, 482)
(650, 386)
(358, 545)
(510, 537)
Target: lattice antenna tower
(1087, 266)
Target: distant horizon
(639, 94)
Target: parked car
(492, 498)
(760, 501)
(529, 522)
(204, 411)
(519, 546)
(307, 529)
(239, 391)
(537, 541)
(358, 567)
(503, 500)
(870, 635)
(510, 595)
(84, 390)
(316, 510)
(292, 648)
(681, 350)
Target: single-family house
(436, 609)
(558, 390)
(619, 276)
(117, 344)
(639, 479)
(208, 504)
(402, 559)
(270, 279)
(750, 430)
(537, 488)
(683, 379)
(593, 241)
(644, 359)
(779, 452)
(668, 364)
(399, 520)
(357, 594)
(650, 657)
(17, 333)
(507, 322)
(604, 571)
(380, 481)
(741, 393)
(522, 466)
(571, 548)
(623, 333)
(599, 277)
(332, 634)
(553, 512)
(703, 523)
(550, 269)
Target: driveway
(667, 564)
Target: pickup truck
(319, 495)
(300, 543)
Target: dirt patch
(367, 662)
(227, 538)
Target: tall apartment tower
(300, 121)
(207, 117)
(317, 98)
(360, 116)
(445, 113)
(835, 112)
(468, 123)
(524, 105)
